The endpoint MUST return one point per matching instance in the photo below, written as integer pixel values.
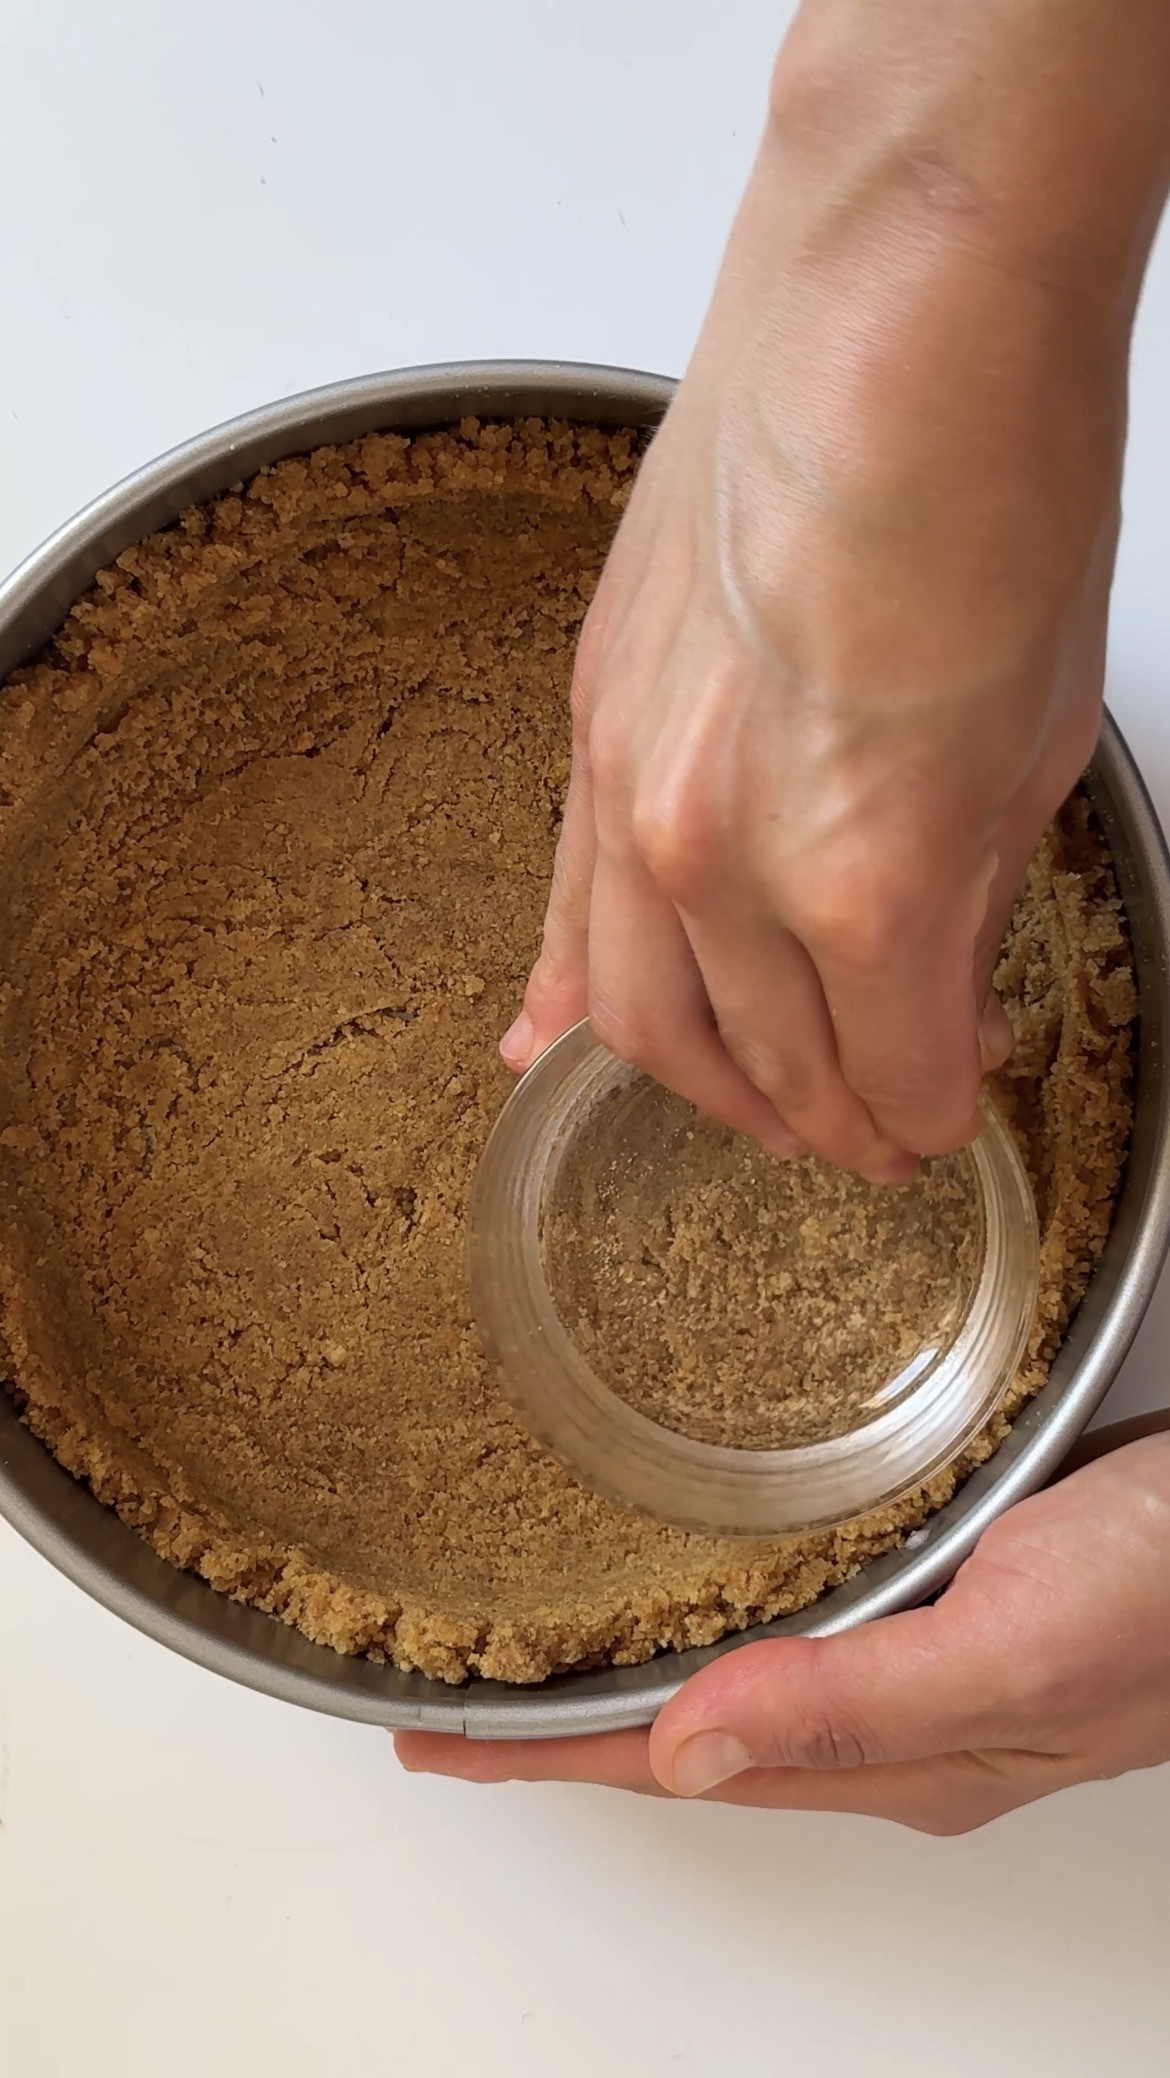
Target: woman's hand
(1045, 1663)
(846, 656)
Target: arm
(846, 657)
(845, 661)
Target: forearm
(1034, 134)
(923, 318)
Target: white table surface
(206, 207)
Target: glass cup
(917, 1423)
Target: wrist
(886, 331)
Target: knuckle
(814, 1722)
(826, 1113)
(624, 1035)
(943, 1089)
(890, 1084)
(858, 914)
(930, 1112)
(608, 750)
(815, 1736)
(674, 839)
(554, 988)
(785, 1080)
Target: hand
(1045, 1663)
(846, 656)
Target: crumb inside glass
(740, 1299)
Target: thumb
(904, 1688)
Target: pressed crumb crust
(277, 813)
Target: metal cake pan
(87, 1542)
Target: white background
(205, 207)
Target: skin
(1046, 1663)
(846, 656)
(844, 663)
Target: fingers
(774, 1022)
(905, 1689)
(648, 1003)
(854, 1002)
(903, 1008)
(618, 1760)
(558, 987)
(557, 992)
(952, 1793)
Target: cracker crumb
(743, 1300)
(280, 784)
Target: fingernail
(784, 1145)
(707, 1758)
(516, 1044)
(895, 1167)
(996, 1037)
